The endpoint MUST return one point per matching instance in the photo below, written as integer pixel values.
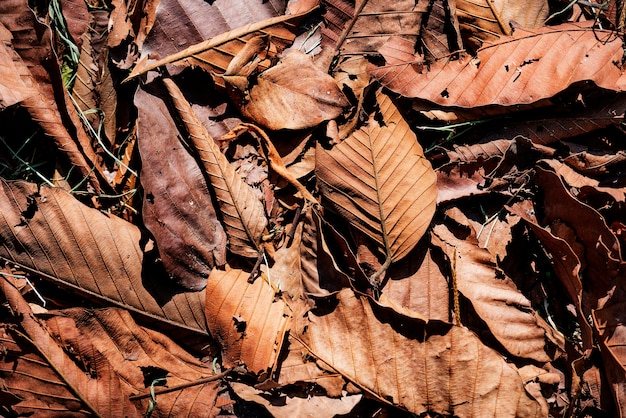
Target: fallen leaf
(423, 368)
(379, 180)
(177, 205)
(248, 320)
(522, 69)
(293, 94)
(242, 213)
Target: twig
(181, 386)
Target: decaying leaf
(215, 54)
(486, 21)
(249, 320)
(116, 356)
(48, 231)
(423, 368)
(242, 213)
(525, 68)
(177, 206)
(497, 301)
(294, 94)
(380, 182)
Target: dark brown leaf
(177, 205)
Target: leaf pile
(303, 208)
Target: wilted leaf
(112, 355)
(48, 231)
(249, 320)
(423, 368)
(497, 300)
(379, 180)
(102, 396)
(242, 213)
(177, 206)
(522, 69)
(486, 21)
(215, 54)
(294, 94)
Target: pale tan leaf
(486, 21)
(293, 94)
(49, 232)
(286, 406)
(522, 69)
(215, 54)
(379, 180)
(496, 299)
(15, 85)
(242, 213)
(424, 368)
(249, 320)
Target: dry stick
(182, 386)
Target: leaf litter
(361, 207)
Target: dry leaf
(497, 300)
(49, 232)
(525, 68)
(379, 180)
(177, 206)
(423, 368)
(242, 213)
(294, 94)
(249, 320)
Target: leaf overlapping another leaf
(379, 180)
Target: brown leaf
(102, 397)
(602, 249)
(567, 269)
(497, 300)
(379, 180)
(49, 232)
(486, 21)
(418, 285)
(356, 28)
(423, 368)
(286, 406)
(522, 69)
(249, 320)
(242, 213)
(113, 357)
(294, 94)
(610, 323)
(14, 89)
(177, 205)
(214, 54)
(44, 108)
